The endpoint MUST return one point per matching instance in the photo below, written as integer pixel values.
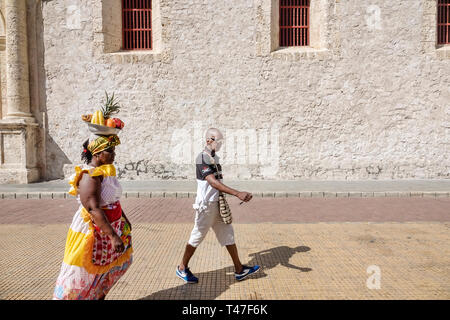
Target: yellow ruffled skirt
(91, 267)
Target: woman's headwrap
(102, 143)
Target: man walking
(209, 176)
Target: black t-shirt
(205, 167)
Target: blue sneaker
(246, 271)
(187, 275)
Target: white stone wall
(372, 102)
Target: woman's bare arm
(89, 188)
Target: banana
(94, 118)
(86, 117)
(101, 118)
(97, 118)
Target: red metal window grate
(137, 24)
(294, 23)
(443, 22)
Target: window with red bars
(294, 23)
(137, 24)
(443, 22)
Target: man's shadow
(213, 283)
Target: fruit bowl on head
(102, 130)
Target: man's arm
(288, 265)
(216, 184)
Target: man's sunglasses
(218, 141)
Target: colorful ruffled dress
(91, 266)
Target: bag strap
(214, 163)
(212, 160)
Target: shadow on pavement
(213, 283)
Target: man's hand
(244, 196)
(117, 243)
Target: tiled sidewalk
(316, 258)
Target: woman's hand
(126, 219)
(117, 243)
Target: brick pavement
(308, 248)
(282, 210)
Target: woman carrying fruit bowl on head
(98, 247)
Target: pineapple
(110, 107)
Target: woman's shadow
(213, 283)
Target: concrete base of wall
(11, 176)
(18, 154)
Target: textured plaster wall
(2, 62)
(370, 102)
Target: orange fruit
(110, 123)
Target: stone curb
(184, 194)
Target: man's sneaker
(187, 275)
(246, 271)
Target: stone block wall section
(369, 99)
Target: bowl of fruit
(101, 121)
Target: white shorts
(210, 218)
